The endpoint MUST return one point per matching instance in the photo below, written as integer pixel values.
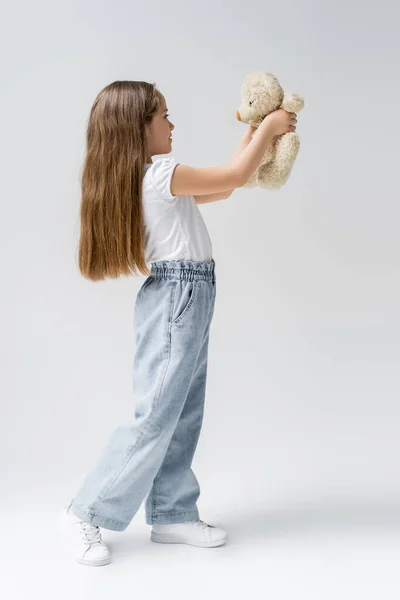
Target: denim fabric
(149, 458)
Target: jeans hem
(91, 517)
(172, 517)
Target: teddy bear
(262, 94)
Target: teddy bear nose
(238, 115)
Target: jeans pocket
(185, 294)
(146, 283)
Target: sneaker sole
(161, 538)
(91, 563)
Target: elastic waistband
(188, 270)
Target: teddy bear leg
(278, 171)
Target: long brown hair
(112, 229)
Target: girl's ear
(147, 130)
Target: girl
(137, 212)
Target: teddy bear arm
(292, 102)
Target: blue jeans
(149, 458)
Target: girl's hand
(280, 121)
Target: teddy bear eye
(251, 102)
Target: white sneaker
(194, 533)
(89, 549)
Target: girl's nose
(238, 115)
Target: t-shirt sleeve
(160, 177)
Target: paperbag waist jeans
(149, 458)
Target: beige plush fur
(262, 94)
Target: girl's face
(159, 132)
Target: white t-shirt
(174, 226)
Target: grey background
(302, 411)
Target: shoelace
(90, 533)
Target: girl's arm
(206, 198)
(240, 147)
(191, 181)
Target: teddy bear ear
(251, 82)
(261, 79)
(270, 78)
(255, 77)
